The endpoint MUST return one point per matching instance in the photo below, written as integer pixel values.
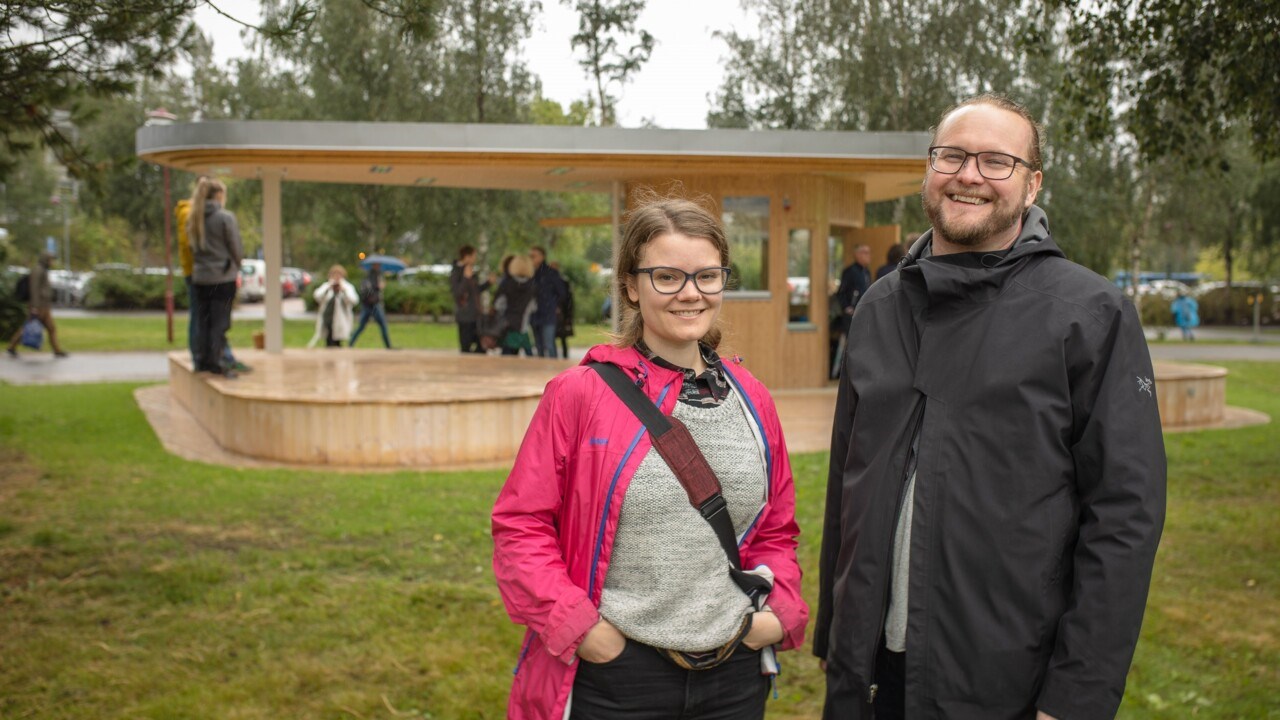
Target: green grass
(134, 584)
(112, 333)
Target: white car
(253, 280)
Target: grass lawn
(137, 585)
(108, 333)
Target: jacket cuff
(793, 624)
(569, 621)
(1066, 700)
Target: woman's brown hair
(655, 215)
(206, 189)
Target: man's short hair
(540, 249)
(1004, 103)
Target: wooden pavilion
(793, 202)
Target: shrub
(120, 290)
(419, 297)
(1214, 304)
(1155, 312)
(13, 312)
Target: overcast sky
(672, 89)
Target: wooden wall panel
(846, 203)
(879, 238)
(782, 355)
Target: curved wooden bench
(1190, 395)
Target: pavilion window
(746, 224)
(799, 285)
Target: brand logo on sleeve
(1144, 385)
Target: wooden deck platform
(368, 408)
(371, 409)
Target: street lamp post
(57, 199)
(160, 116)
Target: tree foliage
(59, 52)
(869, 64)
(613, 48)
(1182, 72)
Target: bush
(420, 296)
(1214, 304)
(13, 312)
(1155, 312)
(120, 290)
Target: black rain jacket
(1040, 487)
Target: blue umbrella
(388, 263)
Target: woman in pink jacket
(623, 585)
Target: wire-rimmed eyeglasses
(669, 280)
(991, 165)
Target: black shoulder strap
(707, 501)
(654, 421)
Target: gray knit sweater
(668, 581)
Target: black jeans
(213, 319)
(891, 679)
(469, 337)
(640, 684)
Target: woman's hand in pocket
(766, 629)
(602, 643)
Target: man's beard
(973, 235)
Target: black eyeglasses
(669, 280)
(991, 165)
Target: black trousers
(640, 684)
(469, 337)
(891, 679)
(213, 318)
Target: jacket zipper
(913, 458)
(608, 502)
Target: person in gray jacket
(996, 490)
(216, 253)
(466, 288)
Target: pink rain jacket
(555, 519)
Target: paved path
(43, 368)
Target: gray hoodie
(217, 259)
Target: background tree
(604, 28)
(61, 51)
(874, 65)
(1185, 71)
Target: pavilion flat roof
(529, 157)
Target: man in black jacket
(997, 480)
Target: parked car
(410, 273)
(253, 280)
(1167, 289)
(69, 286)
(298, 281)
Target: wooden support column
(615, 215)
(272, 251)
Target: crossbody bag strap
(677, 447)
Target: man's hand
(766, 629)
(1044, 716)
(602, 643)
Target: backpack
(368, 292)
(22, 290)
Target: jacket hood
(632, 362)
(211, 207)
(956, 277)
